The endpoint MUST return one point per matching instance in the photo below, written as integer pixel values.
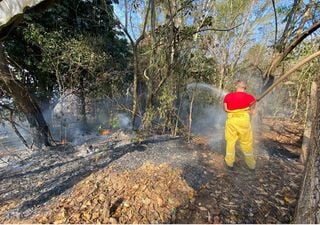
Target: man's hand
(252, 110)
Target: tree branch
(289, 26)
(301, 37)
(288, 49)
(293, 69)
(276, 22)
(218, 29)
(144, 24)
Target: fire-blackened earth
(117, 179)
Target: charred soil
(114, 179)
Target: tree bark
(308, 207)
(136, 75)
(83, 106)
(38, 126)
(311, 115)
(135, 99)
(190, 117)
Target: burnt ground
(34, 184)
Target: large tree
(26, 103)
(11, 15)
(70, 47)
(67, 46)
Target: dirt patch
(282, 134)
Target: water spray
(206, 87)
(212, 114)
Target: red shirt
(238, 100)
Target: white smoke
(124, 121)
(67, 104)
(208, 118)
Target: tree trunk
(308, 208)
(83, 107)
(135, 99)
(38, 126)
(297, 100)
(311, 115)
(190, 117)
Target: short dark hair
(241, 83)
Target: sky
(135, 30)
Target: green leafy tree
(72, 41)
(52, 51)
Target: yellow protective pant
(238, 127)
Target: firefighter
(239, 105)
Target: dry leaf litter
(147, 195)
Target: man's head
(241, 85)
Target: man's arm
(225, 107)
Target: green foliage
(149, 117)
(49, 44)
(114, 122)
(68, 58)
(166, 102)
(230, 11)
(167, 108)
(187, 32)
(76, 45)
(70, 41)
